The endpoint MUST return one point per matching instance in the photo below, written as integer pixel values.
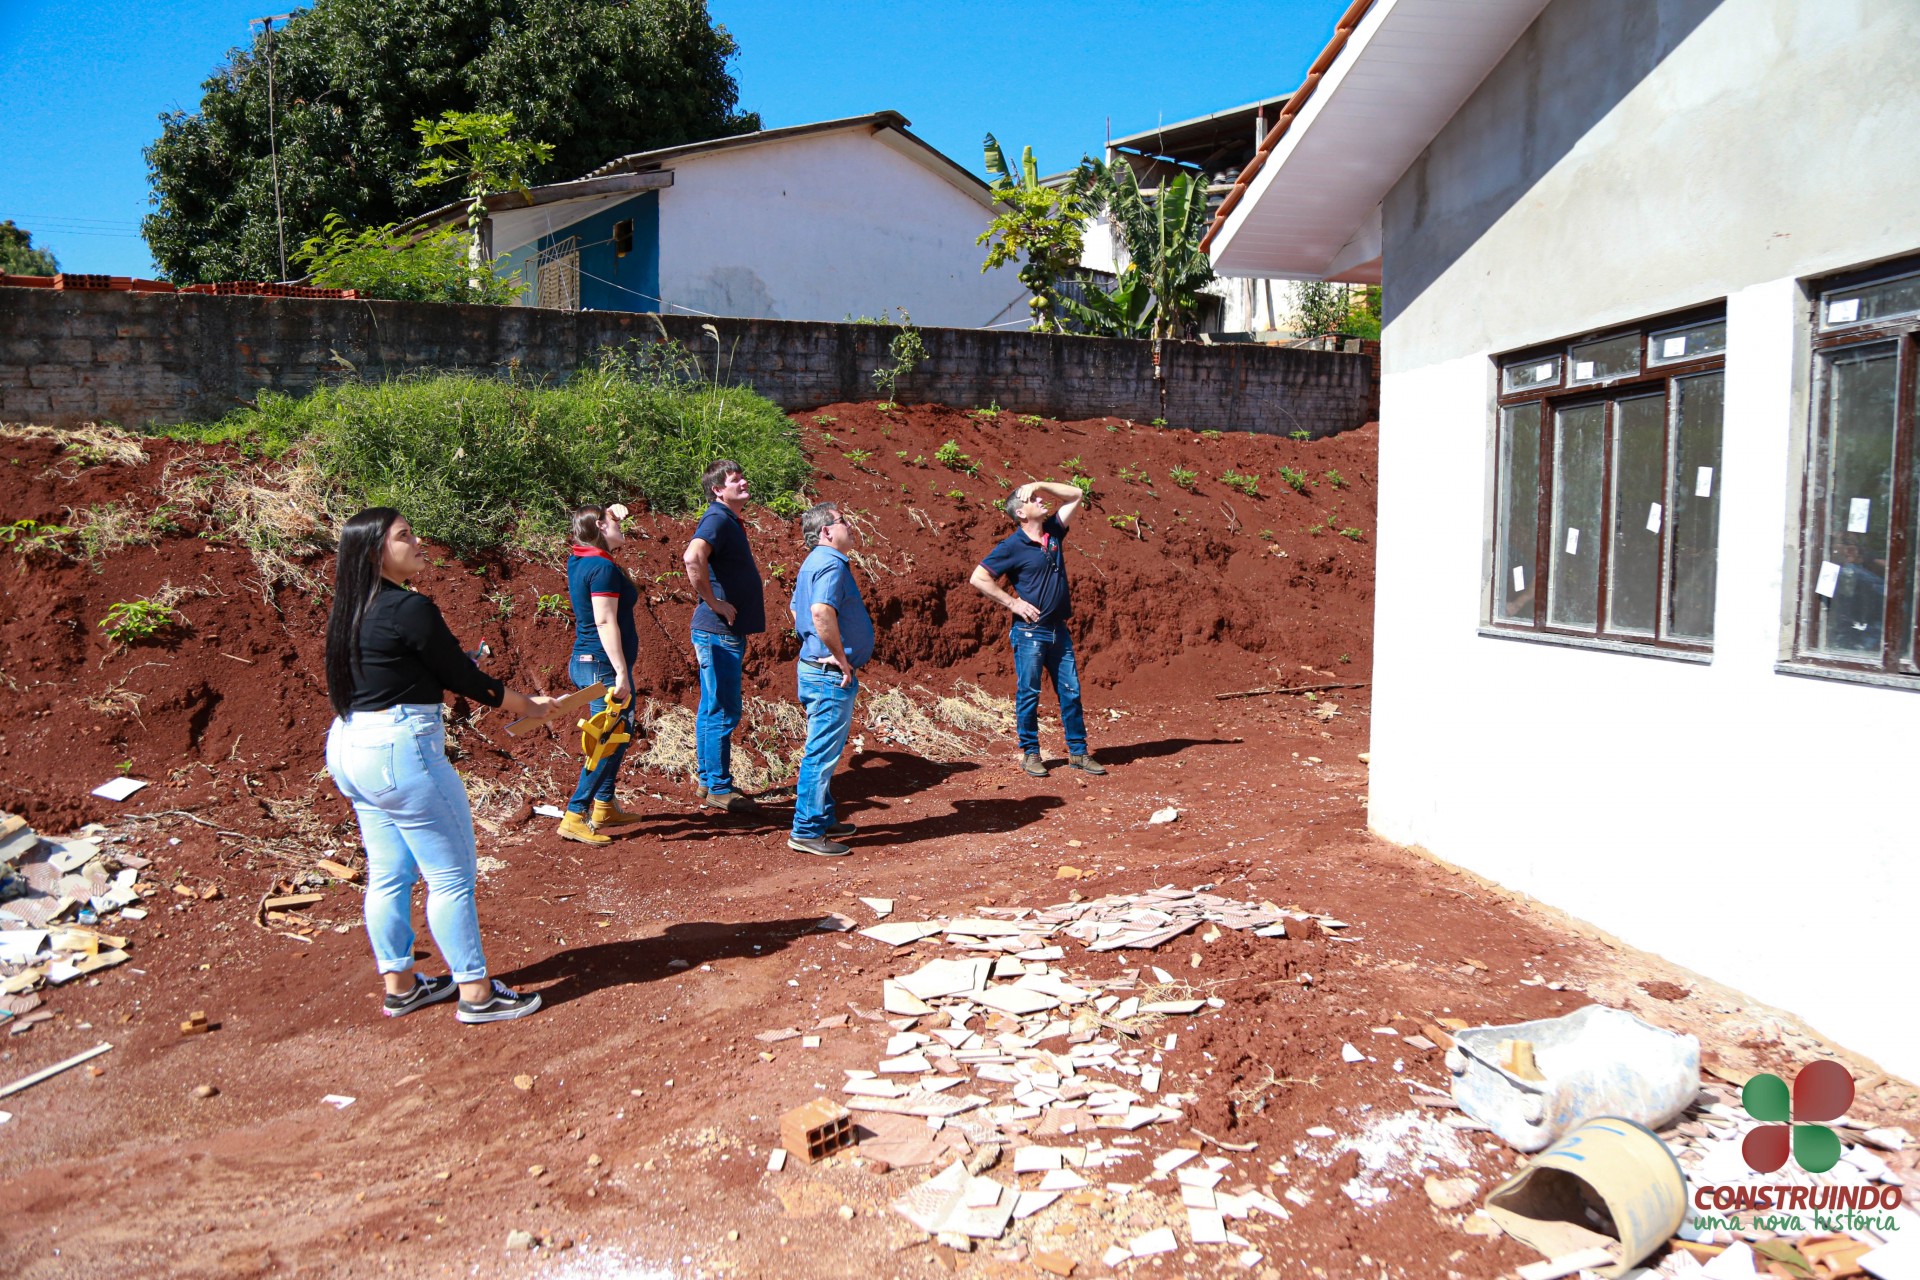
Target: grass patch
(478, 462)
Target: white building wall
(823, 228)
(1757, 827)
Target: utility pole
(273, 141)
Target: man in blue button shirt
(836, 639)
(1032, 562)
(720, 566)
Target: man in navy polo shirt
(1031, 562)
(720, 566)
(836, 639)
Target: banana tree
(1162, 236)
(1125, 311)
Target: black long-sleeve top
(408, 654)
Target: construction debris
(47, 1073)
(52, 893)
(816, 1130)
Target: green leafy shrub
(1337, 480)
(1183, 477)
(430, 268)
(1294, 478)
(1352, 534)
(550, 606)
(34, 540)
(1083, 483)
(949, 456)
(858, 457)
(790, 505)
(475, 461)
(906, 352)
(1208, 434)
(133, 620)
(1302, 434)
(1249, 484)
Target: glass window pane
(1573, 585)
(1691, 342)
(1852, 510)
(1639, 514)
(1517, 519)
(1542, 371)
(1607, 358)
(1881, 300)
(1699, 404)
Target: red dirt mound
(1179, 591)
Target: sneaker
(841, 830)
(818, 844)
(1088, 763)
(425, 991)
(730, 802)
(505, 1003)
(1031, 763)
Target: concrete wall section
(1624, 161)
(137, 359)
(828, 227)
(1629, 159)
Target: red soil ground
(651, 1107)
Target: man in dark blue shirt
(720, 566)
(836, 639)
(1027, 573)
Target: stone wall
(143, 359)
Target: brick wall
(143, 359)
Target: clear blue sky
(84, 82)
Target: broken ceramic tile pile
(51, 893)
(1010, 1050)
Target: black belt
(822, 663)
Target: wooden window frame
(1650, 378)
(1900, 619)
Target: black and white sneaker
(504, 1004)
(425, 991)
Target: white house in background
(819, 221)
(1649, 527)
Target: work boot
(730, 802)
(574, 827)
(1088, 763)
(1031, 763)
(609, 814)
(818, 844)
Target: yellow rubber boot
(574, 827)
(606, 815)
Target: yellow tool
(603, 732)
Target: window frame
(1651, 377)
(1826, 341)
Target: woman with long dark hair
(390, 661)
(605, 643)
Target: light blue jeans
(829, 711)
(415, 822)
(721, 658)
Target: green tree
(1162, 237)
(1321, 307)
(1041, 229)
(1124, 312)
(595, 78)
(19, 257)
(479, 150)
(429, 267)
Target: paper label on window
(1859, 511)
(1845, 311)
(1519, 578)
(1543, 373)
(1829, 579)
(1653, 518)
(1671, 347)
(1583, 369)
(1573, 542)
(1703, 483)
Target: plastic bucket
(1610, 1183)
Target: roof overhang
(513, 212)
(1311, 207)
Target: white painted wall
(824, 227)
(1754, 826)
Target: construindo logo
(1821, 1091)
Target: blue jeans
(597, 783)
(721, 656)
(415, 822)
(829, 711)
(1038, 649)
